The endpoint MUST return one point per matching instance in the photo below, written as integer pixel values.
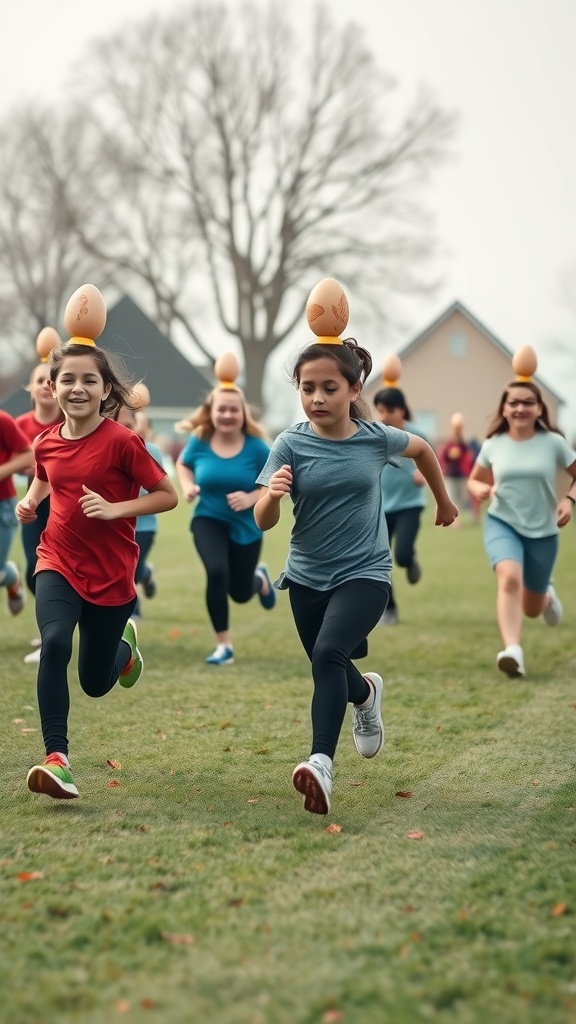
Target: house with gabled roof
(456, 364)
(176, 386)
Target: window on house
(427, 422)
(457, 344)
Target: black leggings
(30, 540)
(403, 526)
(102, 653)
(230, 568)
(332, 624)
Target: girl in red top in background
(45, 413)
(93, 469)
(15, 457)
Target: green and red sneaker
(53, 778)
(134, 668)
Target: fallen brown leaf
(178, 939)
(30, 876)
(360, 782)
(332, 1016)
(404, 793)
(333, 828)
(174, 634)
(112, 784)
(415, 835)
(122, 1006)
(559, 909)
(114, 764)
(254, 800)
(147, 1004)
(236, 902)
(535, 782)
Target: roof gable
(459, 307)
(149, 355)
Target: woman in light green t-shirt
(516, 467)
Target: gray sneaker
(368, 727)
(313, 779)
(552, 614)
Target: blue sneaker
(221, 655)
(131, 673)
(266, 600)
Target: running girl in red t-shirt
(93, 469)
(45, 413)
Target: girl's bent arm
(161, 498)
(267, 508)
(426, 461)
(188, 485)
(20, 463)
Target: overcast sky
(505, 208)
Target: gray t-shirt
(339, 531)
(525, 479)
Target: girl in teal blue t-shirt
(218, 469)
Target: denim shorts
(536, 555)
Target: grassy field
(188, 884)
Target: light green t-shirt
(525, 479)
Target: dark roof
(149, 355)
(459, 307)
(173, 381)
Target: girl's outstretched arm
(267, 508)
(426, 461)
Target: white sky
(505, 209)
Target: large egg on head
(139, 396)
(85, 313)
(524, 361)
(327, 310)
(226, 368)
(391, 370)
(48, 338)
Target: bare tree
(41, 258)
(238, 164)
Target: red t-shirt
(30, 426)
(12, 442)
(98, 557)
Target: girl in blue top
(403, 494)
(219, 467)
(516, 467)
(338, 567)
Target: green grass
(199, 890)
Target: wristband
(570, 498)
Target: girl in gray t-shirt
(516, 468)
(338, 568)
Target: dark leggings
(332, 624)
(102, 652)
(144, 540)
(403, 525)
(30, 540)
(230, 568)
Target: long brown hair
(499, 425)
(199, 422)
(353, 362)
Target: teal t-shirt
(339, 531)
(149, 524)
(217, 477)
(398, 488)
(525, 479)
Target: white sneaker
(367, 727)
(511, 661)
(313, 779)
(34, 657)
(552, 614)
